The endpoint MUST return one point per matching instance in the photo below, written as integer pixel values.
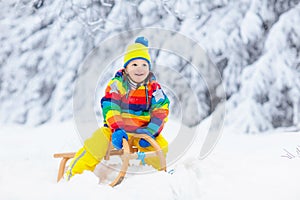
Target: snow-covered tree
(255, 45)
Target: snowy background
(255, 45)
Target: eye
(145, 65)
(134, 64)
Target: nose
(139, 67)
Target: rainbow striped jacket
(147, 106)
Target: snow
(280, 83)
(240, 167)
(251, 32)
(255, 45)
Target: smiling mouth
(139, 74)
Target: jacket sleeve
(159, 110)
(110, 104)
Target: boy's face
(138, 70)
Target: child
(133, 103)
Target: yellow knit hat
(138, 50)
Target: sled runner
(126, 153)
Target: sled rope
(141, 156)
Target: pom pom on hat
(138, 50)
(142, 40)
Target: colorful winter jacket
(147, 106)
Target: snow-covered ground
(240, 167)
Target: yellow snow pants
(95, 148)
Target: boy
(133, 103)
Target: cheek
(130, 72)
(146, 70)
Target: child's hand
(144, 143)
(117, 138)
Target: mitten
(144, 143)
(117, 138)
